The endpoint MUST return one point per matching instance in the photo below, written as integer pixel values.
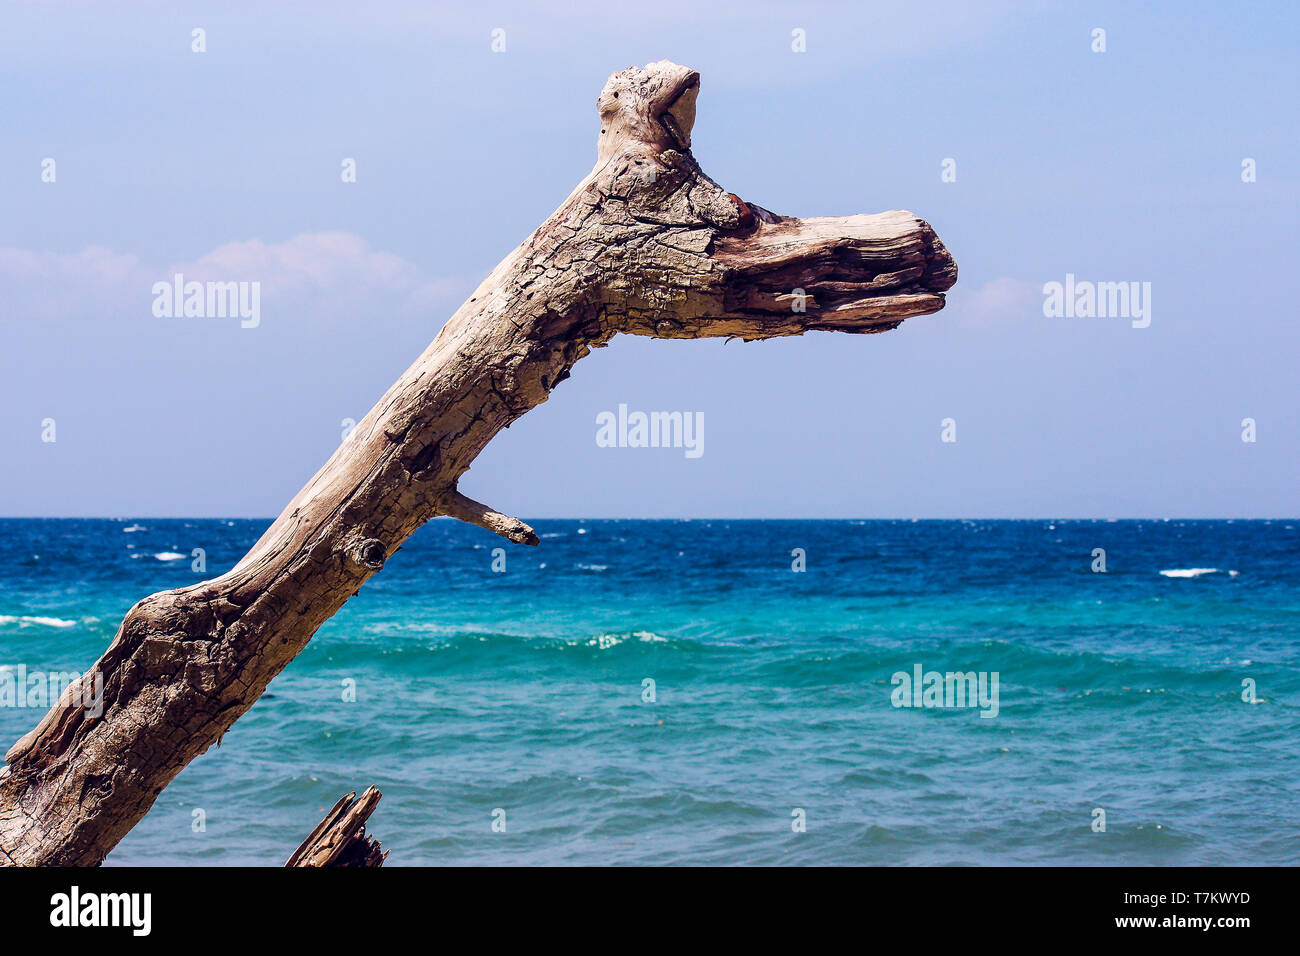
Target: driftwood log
(340, 839)
(646, 244)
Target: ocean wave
(1035, 679)
(25, 620)
(471, 649)
(169, 556)
(786, 659)
(1193, 572)
(604, 641)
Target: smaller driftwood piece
(341, 839)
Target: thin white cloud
(317, 277)
(322, 260)
(997, 304)
(93, 262)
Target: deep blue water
(523, 691)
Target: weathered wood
(340, 838)
(646, 244)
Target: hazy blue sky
(1117, 166)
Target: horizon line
(145, 517)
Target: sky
(1115, 165)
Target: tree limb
(467, 509)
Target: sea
(726, 692)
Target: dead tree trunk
(646, 244)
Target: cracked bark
(646, 244)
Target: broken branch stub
(646, 244)
(340, 839)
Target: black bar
(978, 906)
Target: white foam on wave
(605, 641)
(134, 527)
(1189, 572)
(25, 620)
(169, 556)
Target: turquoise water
(522, 691)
